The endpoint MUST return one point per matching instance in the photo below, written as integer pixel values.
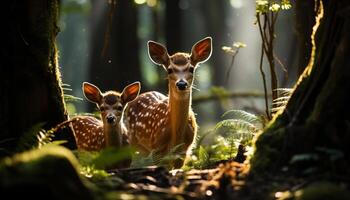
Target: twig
(264, 82)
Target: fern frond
(68, 97)
(139, 160)
(243, 115)
(281, 102)
(284, 91)
(28, 140)
(236, 125)
(44, 137)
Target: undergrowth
(234, 133)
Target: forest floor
(228, 180)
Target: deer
(92, 134)
(159, 123)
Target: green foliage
(67, 97)
(93, 173)
(264, 6)
(94, 164)
(29, 139)
(46, 138)
(280, 103)
(154, 158)
(227, 135)
(105, 158)
(111, 156)
(36, 137)
(266, 17)
(70, 100)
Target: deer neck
(112, 134)
(179, 107)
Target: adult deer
(159, 123)
(92, 134)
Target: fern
(245, 116)
(238, 129)
(153, 158)
(28, 140)
(46, 138)
(175, 153)
(280, 103)
(140, 160)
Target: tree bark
(304, 20)
(30, 82)
(317, 114)
(116, 64)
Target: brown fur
(159, 123)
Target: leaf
(203, 155)
(280, 103)
(110, 156)
(29, 139)
(243, 115)
(236, 125)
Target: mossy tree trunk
(317, 115)
(31, 90)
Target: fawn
(92, 134)
(159, 123)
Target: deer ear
(201, 51)
(130, 92)
(158, 53)
(92, 93)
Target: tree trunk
(214, 15)
(304, 20)
(116, 64)
(317, 114)
(31, 90)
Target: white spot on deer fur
(163, 129)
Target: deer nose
(111, 119)
(181, 85)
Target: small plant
(233, 51)
(229, 135)
(153, 158)
(266, 16)
(282, 100)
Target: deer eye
(170, 71)
(102, 108)
(191, 69)
(120, 108)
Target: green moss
(37, 156)
(50, 172)
(268, 147)
(322, 191)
